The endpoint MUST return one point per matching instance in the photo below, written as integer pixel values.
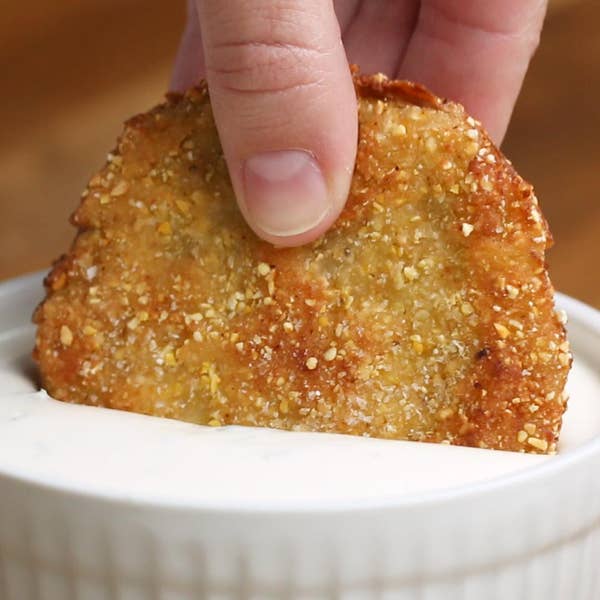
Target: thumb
(285, 108)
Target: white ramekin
(533, 535)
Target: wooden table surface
(73, 71)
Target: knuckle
(277, 46)
(264, 66)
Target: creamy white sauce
(134, 456)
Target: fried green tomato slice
(425, 313)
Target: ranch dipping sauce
(132, 456)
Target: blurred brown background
(73, 71)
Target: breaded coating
(425, 313)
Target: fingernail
(285, 192)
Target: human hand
(283, 98)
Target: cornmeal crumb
(330, 354)
(311, 363)
(263, 269)
(538, 443)
(66, 336)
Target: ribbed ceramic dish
(530, 535)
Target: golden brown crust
(426, 313)
(381, 88)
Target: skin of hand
(283, 97)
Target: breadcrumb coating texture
(425, 313)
